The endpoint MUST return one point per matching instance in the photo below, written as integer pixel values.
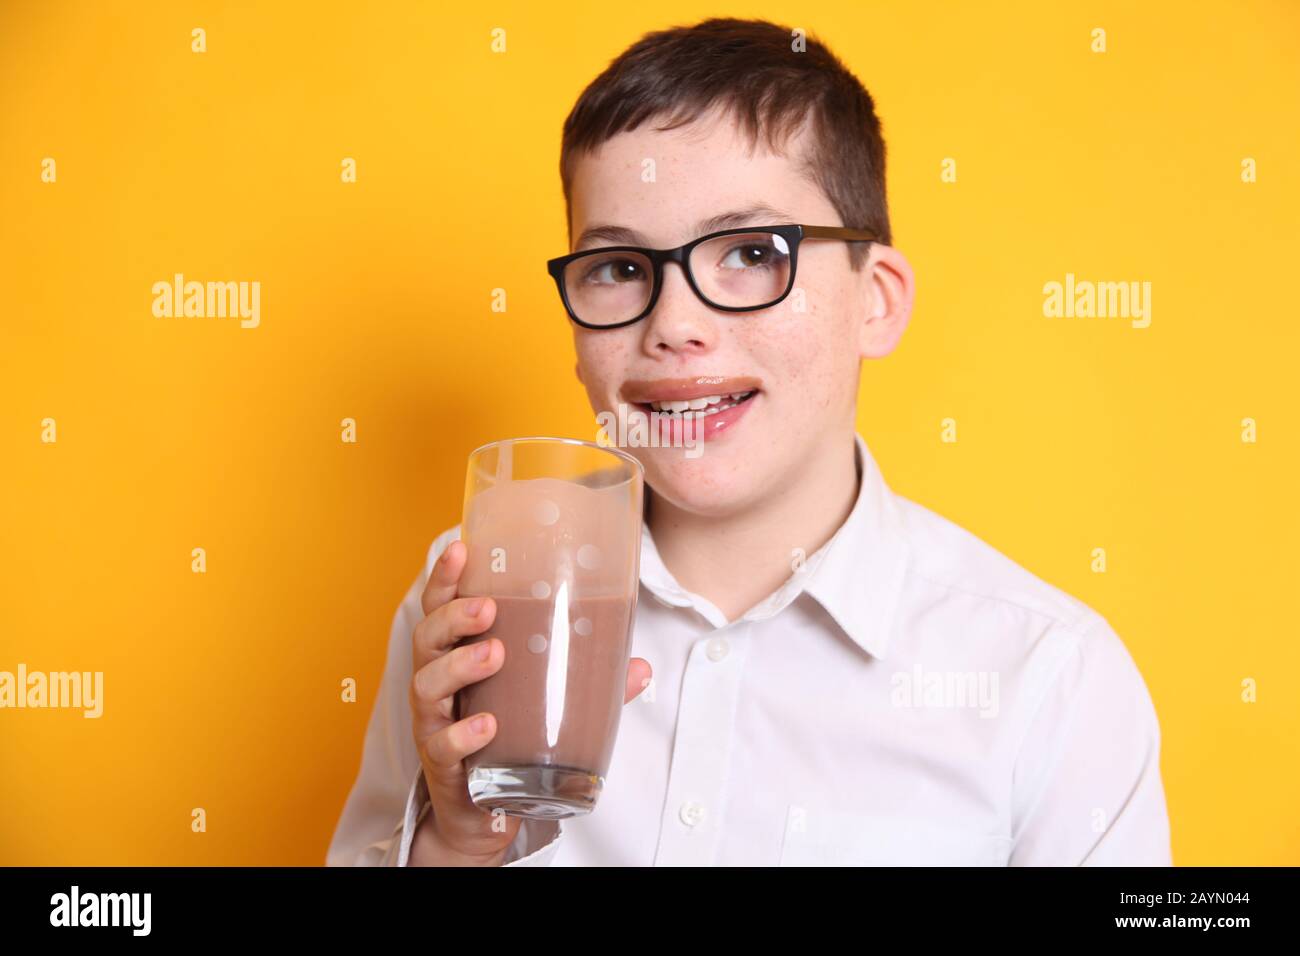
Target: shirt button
(692, 813)
(717, 649)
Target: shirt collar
(856, 576)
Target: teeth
(695, 404)
(700, 407)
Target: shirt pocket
(818, 836)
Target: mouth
(704, 406)
(712, 404)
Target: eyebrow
(624, 236)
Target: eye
(614, 272)
(750, 254)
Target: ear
(577, 370)
(888, 289)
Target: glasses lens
(744, 270)
(606, 288)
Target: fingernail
(479, 724)
(473, 607)
(482, 649)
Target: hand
(457, 832)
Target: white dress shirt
(910, 696)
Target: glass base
(542, 793)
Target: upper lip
(645, 391)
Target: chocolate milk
(560, 558)
(558, 697)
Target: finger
(445, 749)
(441, 586)
(439, 632)
(638, 677)
(434, 684)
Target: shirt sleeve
(389, 798)
(1087, 789)
(369, 831)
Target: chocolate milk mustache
(560, 560)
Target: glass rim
(552, 439)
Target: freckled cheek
(603, 362)
(803, 357)
(779, 350)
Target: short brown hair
(751, 69)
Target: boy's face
(802, 364)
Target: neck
(756, 546)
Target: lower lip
(710, 428)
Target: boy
(841, 676)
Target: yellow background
(222, 690)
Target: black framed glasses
(735, 270)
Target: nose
(680, 322)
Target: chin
(713, 484)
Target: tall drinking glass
(553, 532)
